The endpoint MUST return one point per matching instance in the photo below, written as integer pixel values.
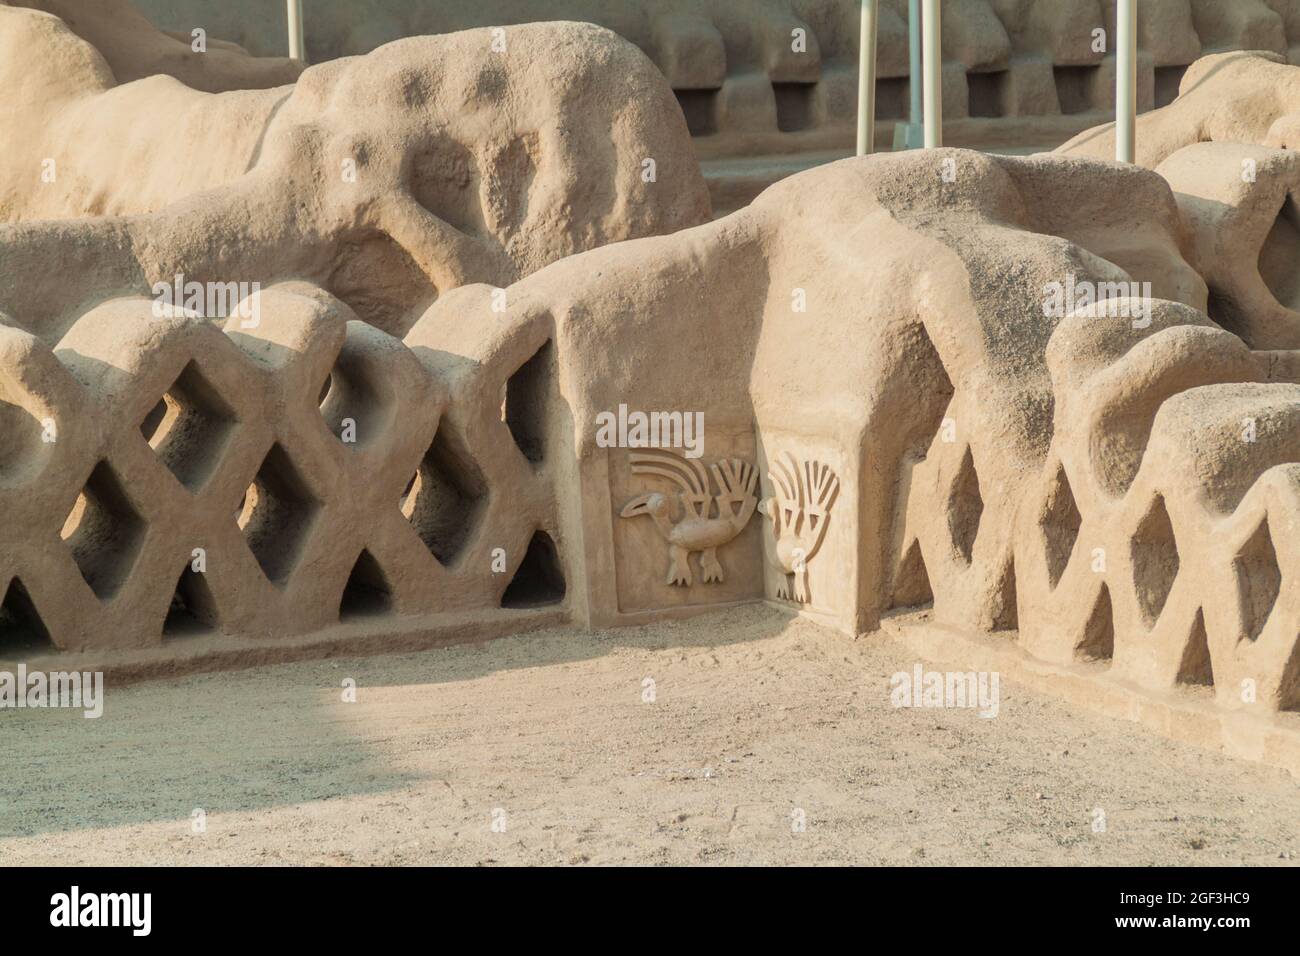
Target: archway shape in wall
(22, 632)
(526, 402)
(539, 581)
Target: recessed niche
(965, 507)
(353, 410)
(893, 98)
(912, 582)
(540, 578)
(526, 400)
(1259, 581)
(1060, 526)
(446, 497)
(794, 106)
(1074, 88)
(987, 93)
(1279, 254)
(1155, 560)
(22, 632)
(189, 428)
(367, 592)
(193, 610)
(104, 532)
(1168, 79)
(1098, 640)
(23, 448)
(1006, 609)
(700, 107)
(1195, 668)
(278, 512)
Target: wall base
(192, 655)
(1272, 739)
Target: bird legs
(800, 579)
(790, 586)
(709, 564)
(679, 566)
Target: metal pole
(932, 67)
(1126, 82)
(296, 45)
(867, 78)
(914, 58)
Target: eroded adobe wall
(1113, 487)
(228, 465)
(891, 415)
(1116, 484)
(1244, 97)
(1226, 147)
(742, 84)
(385, 179)
(134, 48)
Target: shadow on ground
(275, 736)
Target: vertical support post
(932, 68)
(1126, 82)
(914, 60)
(296, 45)
(867, 78)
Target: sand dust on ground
(743, 737)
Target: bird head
(651, 503)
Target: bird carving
(800, 510)
(686, 519)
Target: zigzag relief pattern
(161, 476)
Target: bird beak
(637, 506)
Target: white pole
(914, 59)
(932, 67)
(867, 78)
(1126, 82)
(295, 31)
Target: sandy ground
(754, 719)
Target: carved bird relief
(800, 510)
(685, 518)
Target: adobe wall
(743, 85)
(1046, 403)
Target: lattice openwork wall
(1160, 542)
(166, 476)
